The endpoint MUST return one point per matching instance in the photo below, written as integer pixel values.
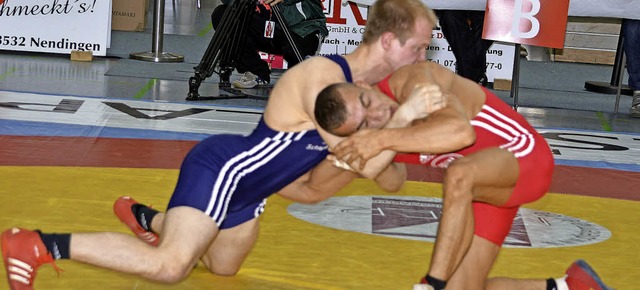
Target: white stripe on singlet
(235, 168)
(260, 208)
(521, 141)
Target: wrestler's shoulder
(318, 61)
(315, 69)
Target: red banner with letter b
(534, 22)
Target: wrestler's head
(403, 27)
(344, 108)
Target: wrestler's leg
(187, 232)
(492, 225)
(475, 266)
(463, 182)
(231, 247)
(157, 222)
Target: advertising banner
(55, 26)
(346, 23)
(533, 22)
(610, 8)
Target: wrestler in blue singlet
(229, 177)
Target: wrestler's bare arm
(419, 100)
(292, 102)
(322, 182)
(290, 108)
(375, 169)
(382, 162)
(445, 130)
(325, 180)
(392, 177)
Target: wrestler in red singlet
(498, 125)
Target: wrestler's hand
(423, 100)
(358, 148)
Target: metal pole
(619, 84)
(515, 76)
(156, 54)
(158, 26)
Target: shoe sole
(19, 272)
(4, 240)
(258, 86)
(241, 86)
(582, 272)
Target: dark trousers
(631, 34)
(249, 58)
(463, 31)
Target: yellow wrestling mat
(292, 253)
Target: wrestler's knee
(219, 268)
(458, 181)
(223, 270)
(171, 271)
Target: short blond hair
(397, 17)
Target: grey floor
(551, 94)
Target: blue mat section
(599, 164)
(26, 128)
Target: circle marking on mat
(416, 218)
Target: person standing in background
(631, 34)
(463, 31)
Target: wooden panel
(502, 85)
(584, 56)
(77, 55)
(584, 40)
(594, 25)
(590, 40)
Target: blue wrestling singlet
(229, 177)
(339, 59)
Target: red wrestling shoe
(122, 209)
(580, 276)
(23, 252)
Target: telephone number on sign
(7, 40)
(491, 65)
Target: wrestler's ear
(362, 84)
(386, 39)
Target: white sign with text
(55, 26)
(346, 23)
(500, 57)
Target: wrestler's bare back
(293, 98)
